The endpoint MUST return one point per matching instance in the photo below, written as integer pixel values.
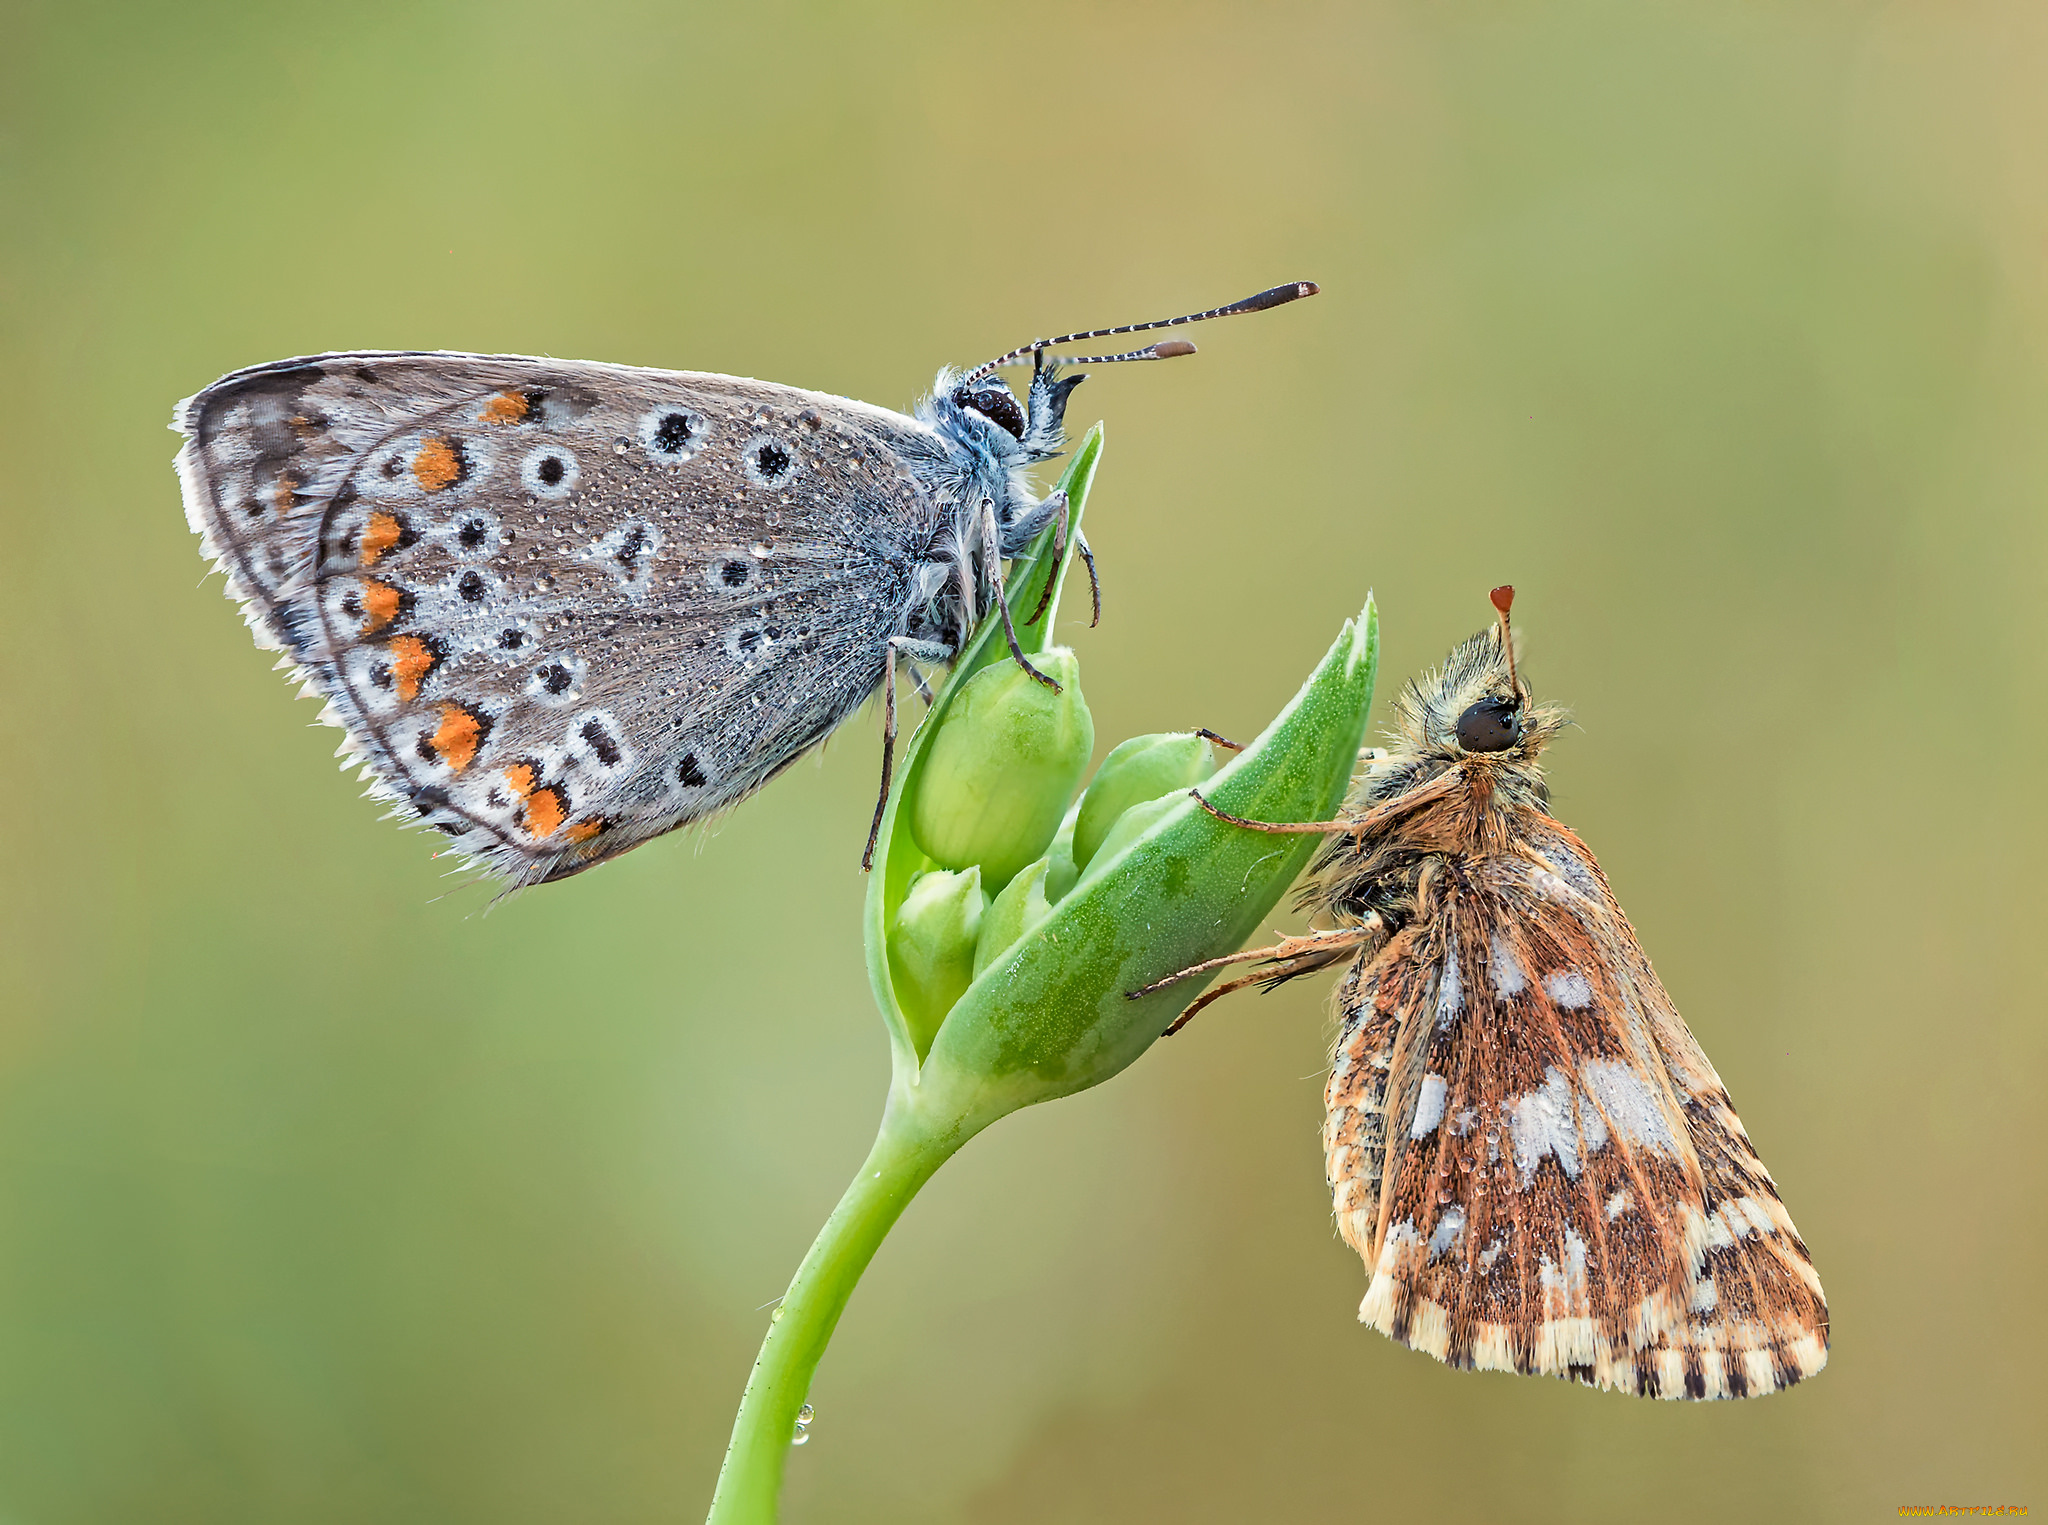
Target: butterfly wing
(560, 608)
(1538, 1164)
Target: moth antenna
(1503, 600)
(1165, 349)
(1276, 296)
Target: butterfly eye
(996, 405)
(1491, 725)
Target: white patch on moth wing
(1491, 1253)
(1704, 1295)
(1462, 1121)
(1541, 1123)
(1549, 886)
(1634, 1109)
(1592, 1127)
(1429, 1106)
(1450, 1228)
(1619, 1203)
(1574, 871)
(1450, 992)
(1506, 969)
(1763, 1377)
(1737, 1219)
(1493, 1347)
(1761, 1215)
(1569, 989)
(1429, 1328)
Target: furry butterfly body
(560, 607)
(1531, 1153)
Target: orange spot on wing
(544, 811)
(519, 778)
(380, 535)
(583, 831)
(285, 493)
(505, 408)
(457, 738)
(411, 661)
(437, 465)
(381, 603)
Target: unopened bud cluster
(990, 812)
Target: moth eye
(1491, 725)
(996, 405)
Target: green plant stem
(904, 1157)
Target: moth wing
(1539, 1167)
(559, 608)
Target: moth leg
(1059, 549)
(1222, 741)
(1288, 947)
(1288, 958)
(993, 540)
(1094, 582)
(914, 651)
(924, 689)
(1295, 828)
(1372, 820)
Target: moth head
(1476, 710)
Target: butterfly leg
(1423, 794)
(1094, 582)
(1286, 959)
(1059, 549)
(913, 651)
(1324, 828)
(993, 540)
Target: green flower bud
(1133, 824)
(1143, 768)
(1060, 872)
(931, 948)
(1004, 763)
(1020, 907)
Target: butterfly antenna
(1277, 296)
(1503, 600)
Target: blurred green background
(1721, 330)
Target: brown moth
(1531, 1152)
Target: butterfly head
(1475, 713)
(983, 414)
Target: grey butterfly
(561, 607)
